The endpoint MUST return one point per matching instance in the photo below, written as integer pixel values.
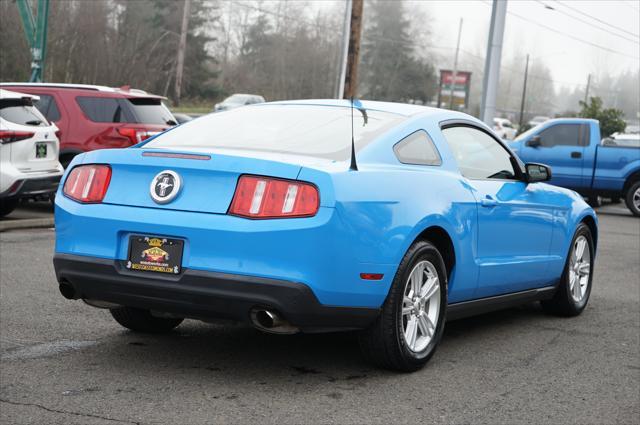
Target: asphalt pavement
(63, 362)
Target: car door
(562, 147)
(514, 218)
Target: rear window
(151, 111)
(317, 131)
(21, 111)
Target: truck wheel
(7, 206)
(407, 331)
(574, 289)
(633, 198)
(143, 321)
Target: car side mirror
(535, 141)
(537, 172)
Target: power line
(570, 36)
(586, 22)
(597, 19)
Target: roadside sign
(460, 89)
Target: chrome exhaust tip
(270, 321)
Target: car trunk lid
(208, 179)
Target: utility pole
(344, 49)
(454, 76)
(35, 29)
(182, 46)
(353, 56)
(492, 63)
(524, 93)
(586, 92)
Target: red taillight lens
(9, 136)
(264, 197)
(135, 135)
(88, 183)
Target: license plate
(41, 150)
(155, 254)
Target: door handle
(576, 155)
(488, 202)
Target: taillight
(135, 135)
(265, 197)
(9, 136)
(88, 183)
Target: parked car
(182, 118)
(98, 117)
(504, 128)
(580, 161)
(265, 214)
(538, 120)
(237, 100)
(29, 164)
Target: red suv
(97, 117)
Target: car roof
(124, 90)
(404, 109)
(8, 94)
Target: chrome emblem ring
(165, 186)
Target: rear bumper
(203, 294)
(32, 187)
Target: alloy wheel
(421, 306)
(579, 268)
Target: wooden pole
(181, 49)
(353, 56)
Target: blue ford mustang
(320, 216)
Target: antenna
(354, 165)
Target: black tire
(563, 303)
(143, 321)
(383, 343)
(594, 201)
(7, 206)
(634, 190)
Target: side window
(417, 149)
(102, 109)
(561, 135)
(48, 107)
(479, 156)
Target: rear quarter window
(103, 109)
(417, 149)
(21, 111)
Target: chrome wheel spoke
(584, 269)
(426, 327)
(411, 334)
(580, 244)
(429, 289)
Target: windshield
(317, 131)
(151, 111)
(528, 133)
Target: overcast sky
(570, 59)
(563, 34)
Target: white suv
(29, 166)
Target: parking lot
(64, 362)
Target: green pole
(36, 33)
